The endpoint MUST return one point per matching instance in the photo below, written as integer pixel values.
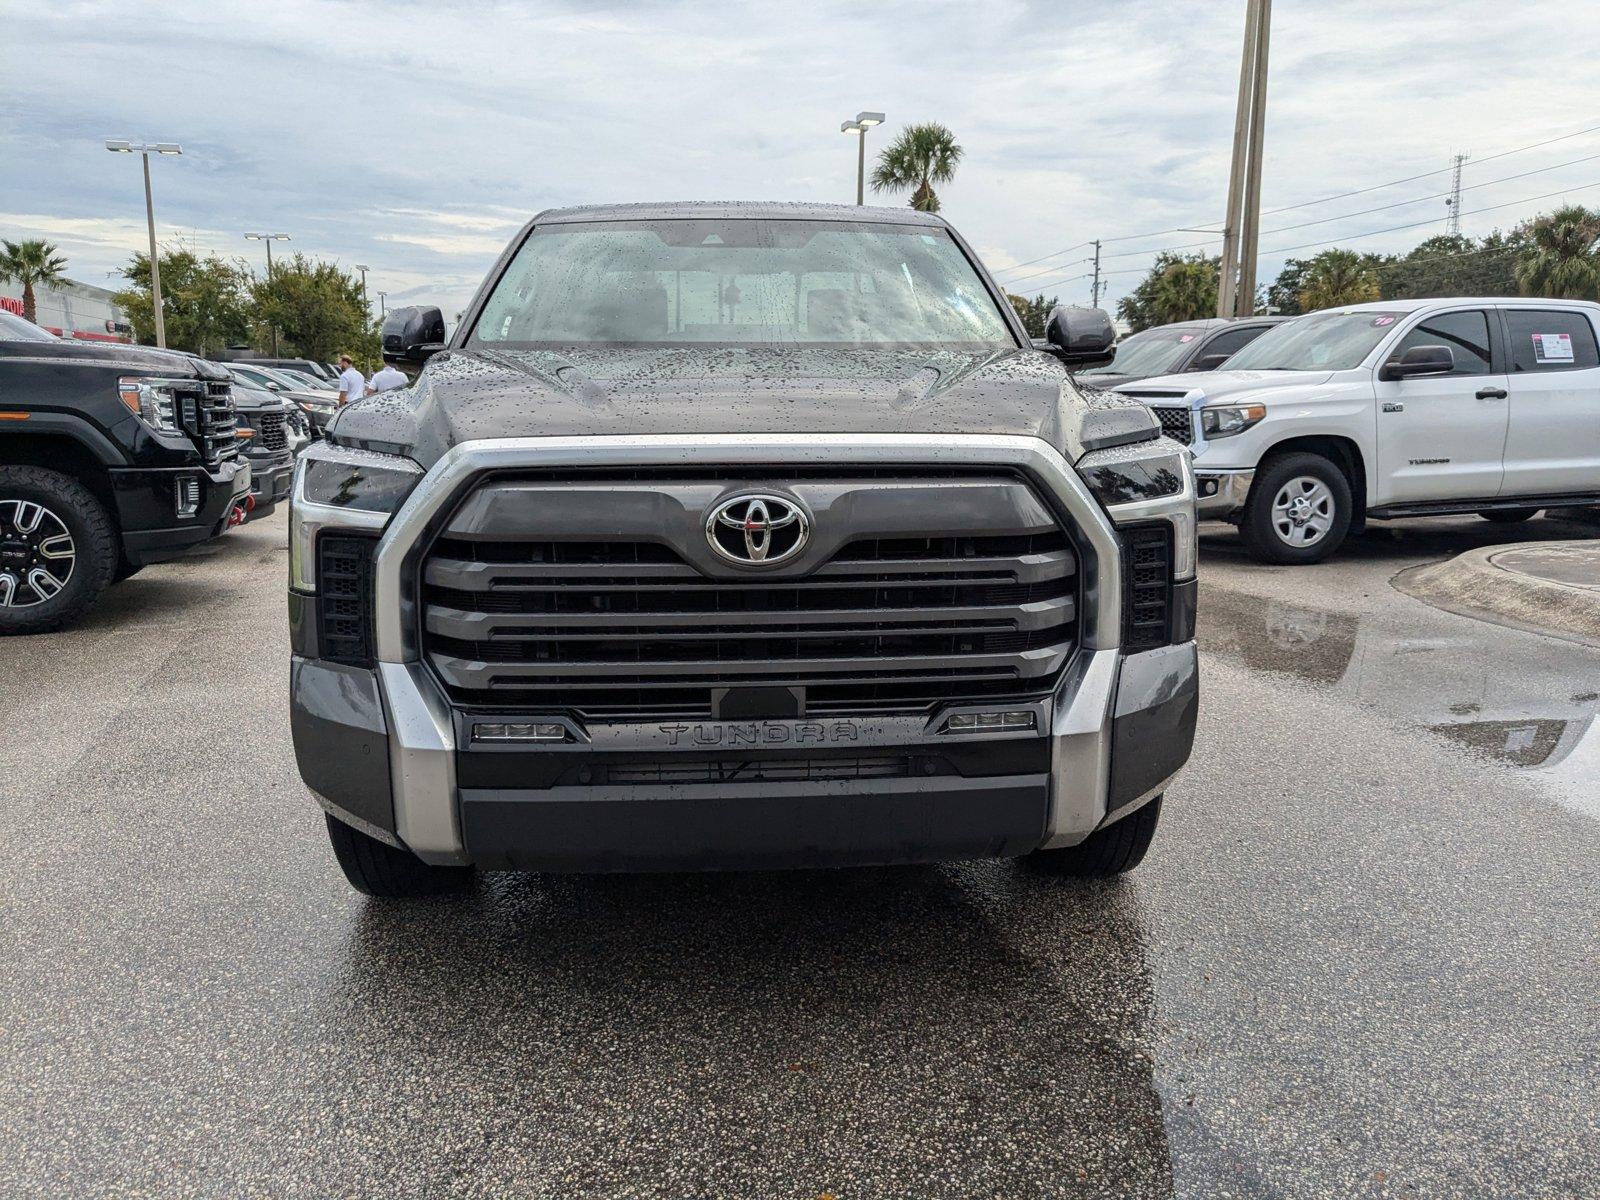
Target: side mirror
(1080, 337)
(1209, 362)
(1419, 360)
(413, 335)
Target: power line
(1351, 237)
(1377, 187)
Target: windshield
(1151, 352)
(740, 282)
(1325, 341)
(16, 329)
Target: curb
(1472, 585)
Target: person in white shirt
(352, 383)
(387, 379)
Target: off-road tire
(1114, 850)
(1257, 526)
(380, 870)
(94, 542)
(1508, 516)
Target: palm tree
(920, 157)
(1562, 262)
(1335, 278)
(1184, 290)
(30, 263)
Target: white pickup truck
(1392, 409)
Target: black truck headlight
(1229, 420)
(341, 489)
(152, 401)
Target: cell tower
(1452, 221)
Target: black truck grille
(619, 630)
(344, 587)
(269, 429)
(1176, 423)
(205, 410)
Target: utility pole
(1095, 293)
(1452, 221)
(1241, 229)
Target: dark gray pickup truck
(739, 535)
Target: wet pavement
(1362, 959)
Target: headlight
(1151, 481)
(336, 487)
(152, 401)
(1227, 421)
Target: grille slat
(1176, 423)
(1147, 602)
(633, 629)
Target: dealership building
(74, 310)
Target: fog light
(187, 496)
(990, 722)
(508, 731)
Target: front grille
(1147, 594)
(631, 629)
(344, 591)
(205, 409)
(748, 770)
(269, 429)
(1176, 423)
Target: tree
(31, 263)
(1178, 288)
(1453, 266)
(205, 302)
(316, 307)
(1033, 313)
(920, 157)
(1335, 278)
(1561, 261)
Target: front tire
(1508, 516)
(1299, 510)
(376, 869)
(1105, 853)
(58, 550)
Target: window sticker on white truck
(1552, 347)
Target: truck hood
(1221, 385)
(469, 395)
(144, 359)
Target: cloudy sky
(415, 137)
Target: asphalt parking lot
(1361, 960)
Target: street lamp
(383, 306)
(863, 122)
(269, 238)
(366, 306)
(122, 146)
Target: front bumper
(384, 751)
(270, 479)
(1220, 494)
(148, 514)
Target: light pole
(863, 122)
(366, 306)
(145, 150)
(269, 238)
(383, 306)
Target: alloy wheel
(37, 554)
(1303, 511)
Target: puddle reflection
(1486, 694)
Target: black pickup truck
(111, 457)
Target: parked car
(271, 431)
(1393, 409)
(111, 457)
(1183, 346)
(306, 366)
(318, 404)
(739, 535)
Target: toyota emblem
(757, 531)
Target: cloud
(417, 137)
